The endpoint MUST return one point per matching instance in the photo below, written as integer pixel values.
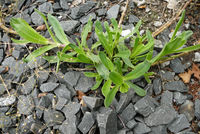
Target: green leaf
(90, 74)
(118, 65)
(76, 48)
(138, 90)
(188, 49)
(68, 58)
(124, 88)
(51, 59)
(26, 32)
(102, 71)
(20, 41)
(94, 58)
(127, 61)
(106, 61)
(58, 29)
(38, 52)
(124, 53)
(106, 87)
(87, 28)
(139, 70)
(95, 45)
(116, 78)
(83, 58)
(111, 95)
(107, 27)
(98, 83)
(114, 23)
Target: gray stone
(157, 86)
(71, 78)
(157, 23)
(2, 54)
(163, 115)
(122, 131)
(57, 7)
(17, 54)
(44, 102)
(53, 117)
(179, 98)
(101, 12)
(176, 86)
(133, 19)
(166, 98)
(79, 11)
(29, 85)
(24, 16)
(46, 7)
(42, 76)
(92, 102)
(145, 106)
(69, 25)
(131, 124)
(6, 38)
(113, 12)
(141, 128)
(161, 129)
(6, 101)
(128, 113)
(5, 121)
(37, 62)
(85, 19)
(84, 83)
(69, 125)
(179, 124)
(3, 88)
(107, 122)
(63, 92)
(187, 108)
(168, 76)
(71, 108)
(25, 104)
(86, 123)
(197, 108)
(48, 87)
(36, 19)
(64, 4)
(60, 103)
(177, 66)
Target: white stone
(177, 34)
(157, 23)
(197, 57)
(125, 32)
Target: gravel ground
(36, 99)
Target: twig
(4, 85)
(166, 25)
(123, 14)
(82, 69)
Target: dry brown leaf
(42, 94)
(80, 94)
(186, 76)
(196, 71)
(41, 28)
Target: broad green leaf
(38, 52)
(95, 45)
(178, 25)
(139, 70)
(58, 29)
(114, 23)
(127, 61)
(47, 25)
(87, 28)
(51, 59)
(107, 27)
(124, 53)
(76, 48)
(138, 90)
(111, 95)
(26, 32)
(188, 49)
(102, 71)
(94, 58)
(83, 58)
(106, 61)
(68, 58)
(124, 88)
(116, 78)
(98, 83)
(20, 41)
(90, 74)
(118, 65)
(106, 87)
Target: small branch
(166, 25)
(4, 85)
(123, 14)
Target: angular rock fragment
(176, 86)
(25, 104)
(48, 87)
(6, 101)
(92, 102)
(113, 12)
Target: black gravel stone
(17, 54)
(37, 62)
(133, 19)
(128, 113)
(84, 83)
(60, 103)
(57, 7)
(86, 123)
(2, 89)
(53, 117)
(168, 76)
(6, 101)
(46, 7)
(71, 78)
(42, 76)
(48, 87)
(69, 26)
(197, 108)
(2, 54)
(187, 109)
(85, 19)
(64, 4)
(163, 115)
(177, 66)
(5, 121)
(71, 108)
(113, 12)
(79, 11)
(107, 122)
(101, 12)
(166, 98)
(36, 19)
(24, 16)
(6, 38)
(131, 124)
(161, 129)
(63, 92)
(179, 124)
(141, 128)
(145, 106)
(25, 104)
(92, 102)
(179, 98)
(176, 86)
(157, 86)
(29, 85)
(44, 102)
